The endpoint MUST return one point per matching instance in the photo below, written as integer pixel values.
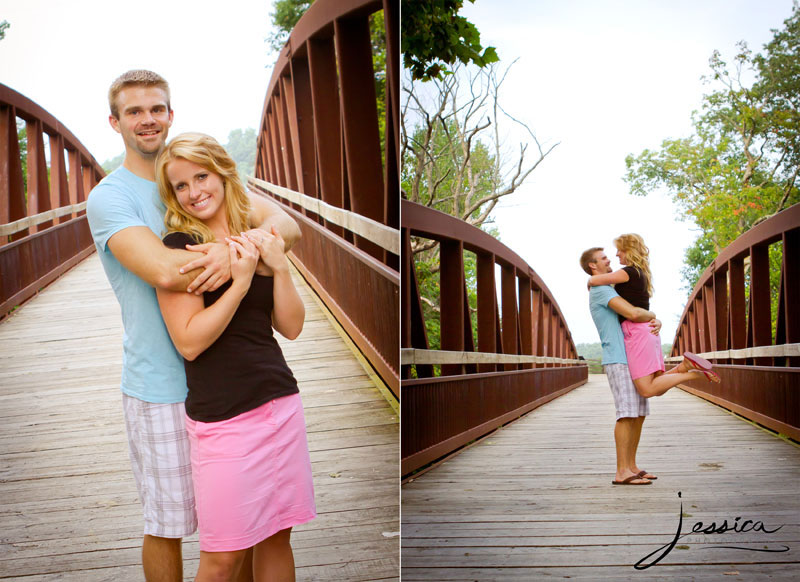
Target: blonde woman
(633, 282)
(249, 454)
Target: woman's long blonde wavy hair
(204, 151)
(638, 255)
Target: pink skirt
(252, 475)
(643, 349)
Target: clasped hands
(254, 250)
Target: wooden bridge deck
(534, 500)
(68, 505)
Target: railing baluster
(487, 308)
(761, 325)
(451, 300)
(508, 291)
(738, 309)
(38, 188)
(524, 291)
(360, 122)
(12, 192)
(302, 127)
(327, 127)
(285, 134)
(791, 289)
(720, 324)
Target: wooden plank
(534, 500)
(69, 506)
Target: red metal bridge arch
(319, 136)
(760, 370)
(47, 234)
(523, 355)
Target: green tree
(3, 27)
(284, 16)
(112, 164)
(741, 163)
(242, 148)
(433, 36)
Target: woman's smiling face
(200, 192)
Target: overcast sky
(64, 56)
(606, 79)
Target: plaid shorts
(161, 460)
(628, 402)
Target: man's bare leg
(162, 559)
(637, 428)
(626, 441)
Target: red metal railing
(319, 135)
(43, 232)
(479, 389)
(760, 371)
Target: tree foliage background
(453, 137)
(434, 37)
(741, 163)
(241, 146)
(456, 159)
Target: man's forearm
(286, 226)
(266, 213)
(629, 312)
(642, 315)
(171, 262)
(143, 254)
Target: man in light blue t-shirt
(631, 407)
(126, 218)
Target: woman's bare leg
(273, 560)
(658, 383)
(219, 566)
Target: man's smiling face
(602, 263)
(144, 119)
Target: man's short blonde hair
(588, 257)
(134, 78)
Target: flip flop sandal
(710, 375)
(630, 481)
(695, 362)
(642, 474)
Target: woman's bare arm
(619, 276)
(194, 327)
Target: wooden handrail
(384, 236)
(412, 356)
(42, 217)
(781, 351)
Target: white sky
(607, 78)
(64, 56)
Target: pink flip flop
(696, 362)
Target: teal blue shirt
(607, 324)
(152, 370)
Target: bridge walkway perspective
(69, 508)
(533, 500)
